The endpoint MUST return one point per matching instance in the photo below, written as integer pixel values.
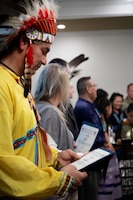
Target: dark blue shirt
(85, 111)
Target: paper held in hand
(92, 158)
(86, 138)
(84, 142)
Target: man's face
(40, 51)
(130, 92)
(130, 117)
(92, 89)
(71, 91)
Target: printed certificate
(86, 138)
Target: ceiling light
(61, 26)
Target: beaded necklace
(118, 119)
(21, 78)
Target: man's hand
(67, 156)
(77, 175)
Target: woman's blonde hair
(53, 81)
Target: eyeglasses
(93, 85)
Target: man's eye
(43, 52)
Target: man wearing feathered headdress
(29, 168)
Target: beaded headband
(34, 34)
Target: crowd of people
(95, 106)
(38, 134)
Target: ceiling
(83, 15)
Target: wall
(110, 55)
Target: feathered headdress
(36, 17)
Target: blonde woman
(52, 92)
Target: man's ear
(87, 89)
(23, 43)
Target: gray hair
(53, 81)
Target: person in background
(110, 183)
(29, 168)
(101, 94)
(129, 97)
(63, 63)
(118, 115)
(71, 121)
(68, 112)
(52, 91)
(124, 137)
(85, 111)
(72, 91)
(104, 107)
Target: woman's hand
(109, 146)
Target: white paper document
(91, 158)
(86, 138)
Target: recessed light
(61, 26)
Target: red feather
(30, 55)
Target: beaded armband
(65, 185)
(57, 165)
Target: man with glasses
(85, 111)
